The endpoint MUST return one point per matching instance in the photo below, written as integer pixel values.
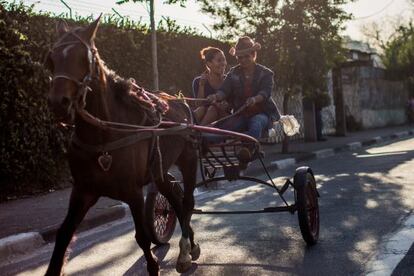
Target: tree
(153, 33)
(399, 55)
(396, 45)
(300, 39)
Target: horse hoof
(183, 267)
(195, 252)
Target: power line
(82, 6)
(86, 8)
(376, 13)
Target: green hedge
(126, 48)
(31, 147)
(29, 143)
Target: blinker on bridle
(83, 86)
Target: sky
(364, 11)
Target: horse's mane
(123, 90)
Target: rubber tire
(306, 192)
(151, 204)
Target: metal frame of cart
(222, 157)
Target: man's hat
(244, 45)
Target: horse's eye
(49, 81)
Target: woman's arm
(201, 88)
(225, 90)
(195, 87)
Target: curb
(19, 244)
(24, 242)
(323, 153)
(284, 163)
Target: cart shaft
(290, 208)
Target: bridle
(83, 86)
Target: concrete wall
(370, 100)
(328, 113)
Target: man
(248, 84)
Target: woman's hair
(208, 53)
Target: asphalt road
(365, 197)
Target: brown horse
(112, 160)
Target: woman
(248, 84)
(208, 83)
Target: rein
(241, 109)
(114, 126)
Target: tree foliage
(154, 42)
(399, 53)
(300, 39)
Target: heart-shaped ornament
(105, 161)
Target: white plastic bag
(289, 124)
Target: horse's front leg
(188, 249)
(136, 205)
(78, 206)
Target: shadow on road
(361, 201)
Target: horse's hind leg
(136, 205)
(167, 190)
(78, 206)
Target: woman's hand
(204, 77)
(212, 98)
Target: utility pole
(69, 8)
(339, 101)
(154, 47)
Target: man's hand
(250, 101)
(223, 105)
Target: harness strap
(118, 144)
(131, 139)
(154, 155)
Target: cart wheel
(161, 218)
(307, 205)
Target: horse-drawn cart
(221, 161)
(120, 132)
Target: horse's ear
(62, 27)
(90, 31)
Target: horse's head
(73, 63)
